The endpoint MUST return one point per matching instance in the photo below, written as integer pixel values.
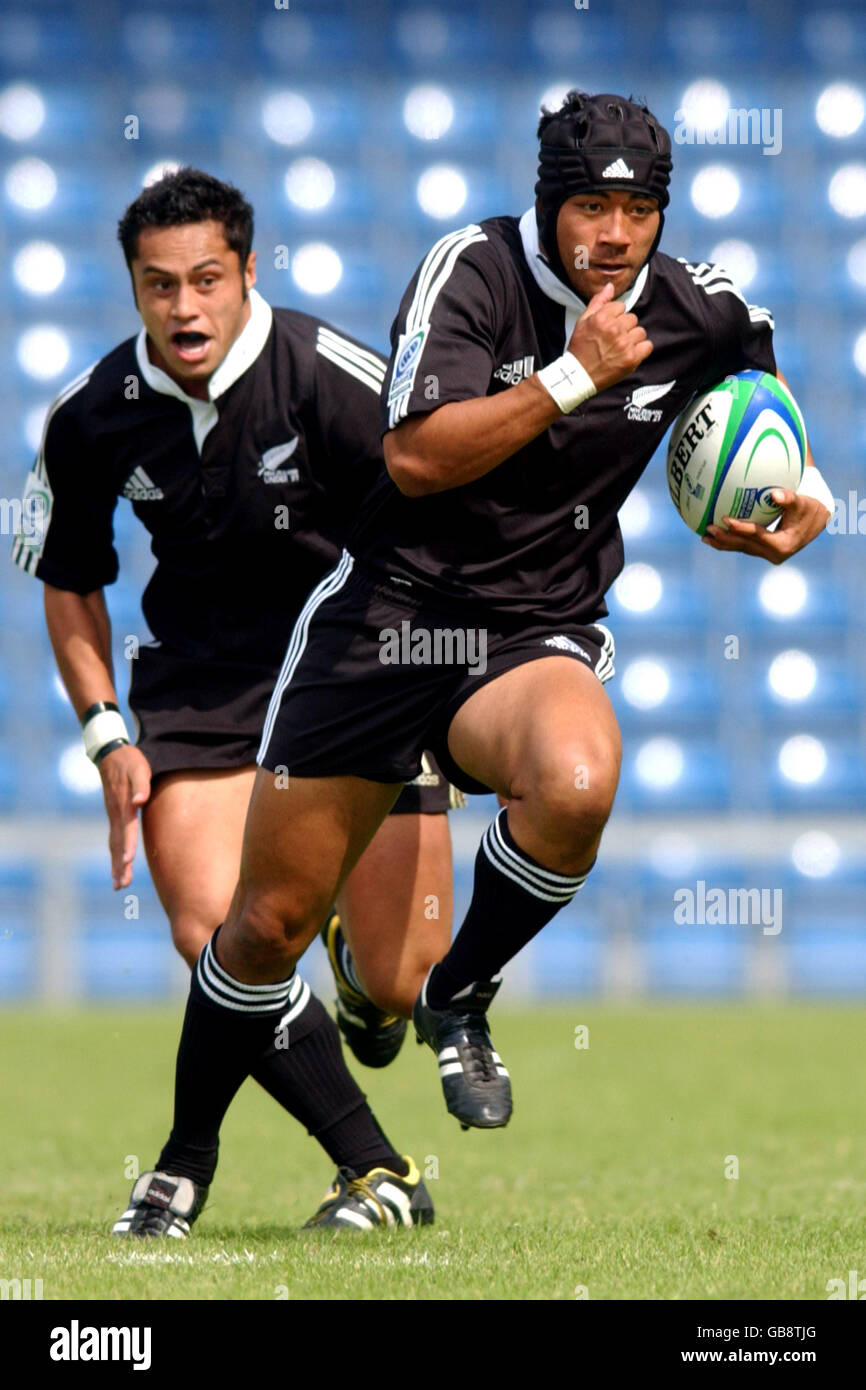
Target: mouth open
(190, 346)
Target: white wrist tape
(103, 728)
(813, 485)
(568, 382)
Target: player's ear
(250, 271)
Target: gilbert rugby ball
(731, 446)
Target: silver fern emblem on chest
(641, 398)
(269, 469)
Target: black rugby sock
(232, 1030)
(513, 897)
(310, 1080)
(226, 1028)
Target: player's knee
(574, 791)
(275, 928)
(189, 932)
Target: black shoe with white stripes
(476, 1085)
(380, 1198)
(161, 1205)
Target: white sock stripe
(563, 896)
(231, 995)
(546, 877)
(298, 1005)
(226, 1001)
(450, 1068)
(220, 976)
(325, 589)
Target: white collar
(241, 355)
(551, 285)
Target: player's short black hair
(188, 195)
(573, 103)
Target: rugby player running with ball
(507, 406)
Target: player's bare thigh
(302, 837)
(544, 736)
(396, 908)
(193, 827)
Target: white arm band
(105, 727)
(813, 485)
(568, 382)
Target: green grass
(611, 1174)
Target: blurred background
(361, 133)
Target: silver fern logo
(269, 464)
(636, 407)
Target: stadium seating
(332, 83)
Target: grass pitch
(614, 1180)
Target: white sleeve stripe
(418, 311)
(353, 368)
(334, 350)
(428, 267)
(325, 335)
(420, 316)
(345, 353)
(26, 557)
(716, 280)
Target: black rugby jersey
(247, 496)
(482, 312)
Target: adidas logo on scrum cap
(618, 170)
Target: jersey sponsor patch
(269, 464)
(140, 488)
(406, 363)
(513, 372)
(637, 405)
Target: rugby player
(244, 438)
(516, 352)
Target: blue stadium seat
(693, 698)
(699, 960)
(838, 692)
(829, 960)
(842, 786)
(567, 957)
(125, 943)
(11, 776)
(18, 939)
(682, 605)
(706, 782)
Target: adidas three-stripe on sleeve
(66, 533)
(740, 333)
(443, 338)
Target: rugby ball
(731, 446)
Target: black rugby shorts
(373, 676)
